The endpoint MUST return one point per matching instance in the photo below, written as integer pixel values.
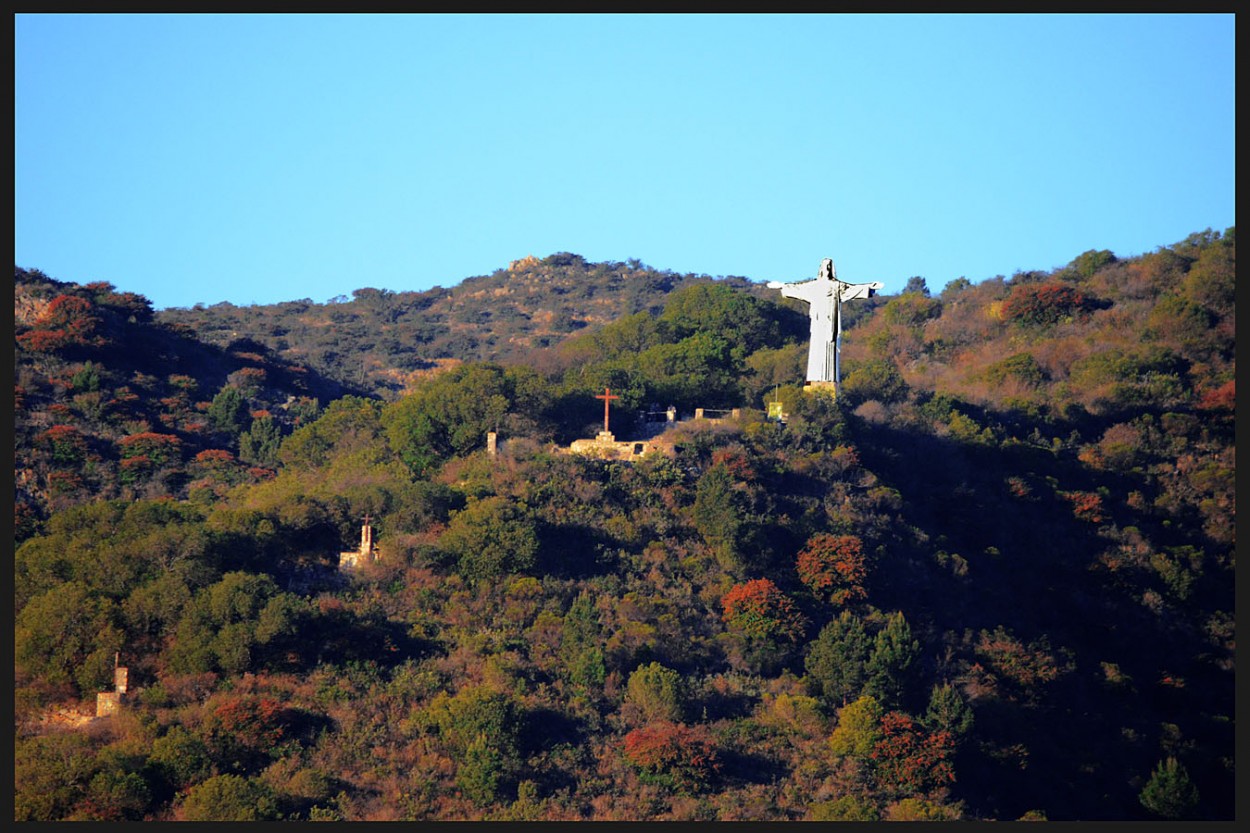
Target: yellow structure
(366, 553)
(109, 702)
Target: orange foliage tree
(909, 759)
(68, 321)
(834, 566)
(760, 609)
(673, 753)
(1045, 303)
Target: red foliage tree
(909, 759)
(66, 443)
(68, 321)
(253, 721)
(760, 609)
(243, 732)
(158, 448)
(1223, 398)
(834, 565)
(1045, 303)
(1086, 506)
(684, 755)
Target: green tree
(580, 651)
(489, 538)
(844, 808)
(86, 379)
(657, 693)
(179, 759)
(837, 658)
(748, 323)
(240, 622)
(480, 771)
(349, 425)
(1169, 792)
(50, 775)
(858, 729)
(719, 516)
(875, 379)
(260, 443)
(481, 729)
(451, 414)
(1087, 263)
(115, 795)
(916, 284)
(68, 634)
(948, 711)
(228, 412)
(890, 663)
(230, 798)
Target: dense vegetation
(993, 581)
(384, 342)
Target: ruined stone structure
(109, 702)
(606, 446)
(366, 553)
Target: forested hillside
(383, 341)
(994, 580)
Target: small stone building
(109, 702)
(366, 553)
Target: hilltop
(384, 340)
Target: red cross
(607, 397)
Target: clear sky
(265, 158)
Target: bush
(490, 538)
(230, 798)
(658, 693)
(1045, 304)
(673, 754)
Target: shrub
(674, 754)
(658, 693)
(229, 798)
(1045, 304)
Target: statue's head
(827, 272)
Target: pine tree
(948, 711)
(1169, 792)
(836, 660)
(889, 666)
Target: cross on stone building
(607, 397)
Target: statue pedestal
(605, 437)
(823, 388)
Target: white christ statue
(824, 295)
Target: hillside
(109, 402)
(383, 340)
(993, 581)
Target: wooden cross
(366, 519)
(607, 398)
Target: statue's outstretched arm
(792, 290)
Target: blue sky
(257, 159)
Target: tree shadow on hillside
(1028, 561)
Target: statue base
(823, 388)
